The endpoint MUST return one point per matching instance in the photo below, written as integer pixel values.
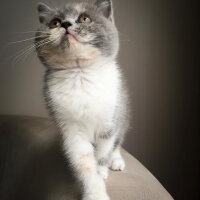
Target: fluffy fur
(84, 90)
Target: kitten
(84, 91)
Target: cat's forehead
(73, 10)
(80, 7)
(68, 11)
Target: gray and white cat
(84, 91)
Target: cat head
(76, 32)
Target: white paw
(96, 197)
(103, 172)
(117, 164)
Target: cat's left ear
(105, 6)
(43, 11)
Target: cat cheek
(87, 38)
(56, 35)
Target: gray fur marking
(106, 135)
(103, 161)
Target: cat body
(85, 96)
(83, 89)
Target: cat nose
(66, 25)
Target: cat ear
(105, 6)
(43, 11)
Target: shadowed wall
(158, 56)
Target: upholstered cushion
(33, 166)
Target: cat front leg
(104, 149)
(80, 152)
(116, 162)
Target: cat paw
(96, 197)
(117, 164)
(103, 172)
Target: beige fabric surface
(135, 183)
(36, 141)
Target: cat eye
(55, 23)
(84, 19)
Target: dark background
(160, 57)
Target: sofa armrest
(33, 166)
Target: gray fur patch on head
(105, 6)
(101, 33)
(44, 12)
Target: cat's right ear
(43, 11)
(105, 6)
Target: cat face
(82, 30)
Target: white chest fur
(86, 95)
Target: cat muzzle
(66, 25)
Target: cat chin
(67, 50)
(76, 54)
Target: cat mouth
(71, 36)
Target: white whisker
(27, 39)
(32, 32)
(20, 54)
